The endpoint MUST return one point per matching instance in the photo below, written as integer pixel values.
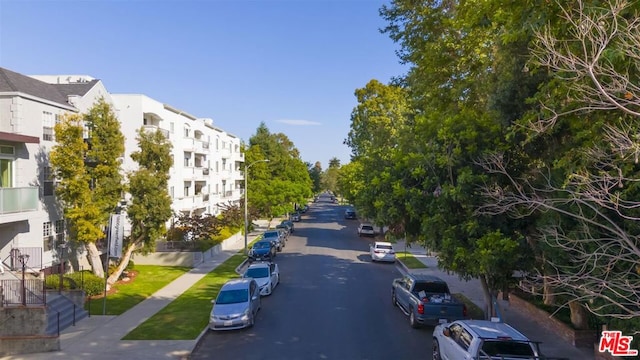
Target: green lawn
(186, 317)
(473, 310)
(150, 279)
(409, 260)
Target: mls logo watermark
(617, 344)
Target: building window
(187, 159)
(171, 191)
(186, 189)
(47, 126)
(47, 236)
(6, 173)
(186, 132)
(59, 231)
(47, 181)
(172, 128)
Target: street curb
(402, 267)
(242, 264)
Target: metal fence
(12, 292)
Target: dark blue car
(262, 250)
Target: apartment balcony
(225, 153)
(201, 147)
(154, 128)
(17, 203)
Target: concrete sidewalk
(551, 345)
(99, 337)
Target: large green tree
(588, 178)
(149, 207)
(461, 56)
(275, 187)
(86, 162)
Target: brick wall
(578, 338)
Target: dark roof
(13, 81)
(80, 88)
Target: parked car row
(238, 300)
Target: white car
(382, 251)
(366, 229)
(481, 339)
(266, 274)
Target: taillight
(464, 310)
(420, 309)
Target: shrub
(91, 284)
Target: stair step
(60, 313)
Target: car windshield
(233, 296)
(261, 245)
(386, 247)
(257, 273)
(506, 348)
(270, 234)
(367, 227)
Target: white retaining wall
(189, 259)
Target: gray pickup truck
(426, 300)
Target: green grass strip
(150, 278)
(473, 310)
(409, 260)
(186, 316)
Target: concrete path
(99, 337)
(552, 346)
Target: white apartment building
(31, 222)
(207, 161)
(206, 173)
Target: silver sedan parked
(236, 306)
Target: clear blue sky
(291, 64)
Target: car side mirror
(213, 301)
(446, 332)
(254, 297)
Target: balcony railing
(153, 128)
(18, 199)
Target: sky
(293, 65)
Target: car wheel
(412, 320)
(436, 350)
(394, 301)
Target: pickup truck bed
(426, 300)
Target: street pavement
(99, 337)
(552, 345)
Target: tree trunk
(579, 316)
(548, 292)
(488, 301)
(93, 255)
(122, 265)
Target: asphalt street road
(332, 302)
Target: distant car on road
(366, 229)
(276, 236)
(262, 250)
(350, 214)
(289, 224)
(236, 305)
(266, 274)
(295, 217)
(481, 339)
(382, 251)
